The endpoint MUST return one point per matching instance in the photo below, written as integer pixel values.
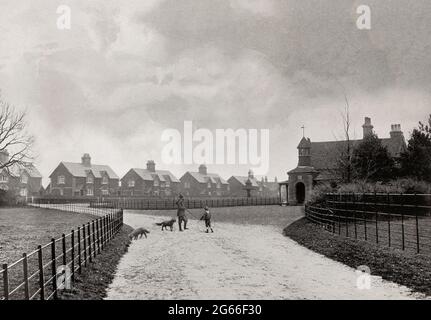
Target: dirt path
(235, 262)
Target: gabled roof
(16, 170)
(79, 170)
(162, 175)
(325, 155)
(242, 180)
(204, 178)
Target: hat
(206, 208)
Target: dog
(138, 232)
(166, 224)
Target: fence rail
(401, 221)
(42, 273)
(156, 203)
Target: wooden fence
(44, 272)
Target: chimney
(203, 169)
(86, 160)
(151, 166)
(4, 156)
(250, 174)
(367, 127)
(396, 131)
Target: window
(105, 192)
(186, 185)
(218, 185)
(90, 192)
(156, 182)
(90, 179)
(131, 183)
(4, 178)
(228, 187)
(167, 184)
(209, 184)
(24, 178)
(105, 180)
(60, 180)
(61, 192)
(23, 192)
(299, 177)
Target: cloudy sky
(127, 70)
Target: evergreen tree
(416, 161)
(371, 161)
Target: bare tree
(343, 168)
(15, 141)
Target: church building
(318, 161)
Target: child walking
(207, 217)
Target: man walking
(181, 212)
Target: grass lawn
(260, 215)
(23, 229)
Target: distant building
(239, 184)
(202, 183)
(318, 161)
(21, 180)
(149, 182)
(83, 179)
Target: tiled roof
(79, 170)
(243, 180)
(324, 155)
(204, 178)
(150, 175)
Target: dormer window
(4, 178)
(90, 179)
(24, 178)
(156, 182)
(209, 184)
(218, 185)
(167, 183)
(131, 183)
(105, 180)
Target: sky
(128, 70)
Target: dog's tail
(159, 223)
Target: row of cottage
(70, 179)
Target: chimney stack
(151, 166)
(4, 156)
(250, 174)
(86, 160)
(203, 169)
(367, 127)
(396, 131)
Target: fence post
(73, 255)
(5, 282)
(63, 243)
(41, 275)
(354, 215)
(402, 222)
(79, 251)
(54, 269)
(365, 217)
(25, 276)
(98, 236)
(94, 237)
(84, 238)
(388, 200)
(90, 255)
(417, 223)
